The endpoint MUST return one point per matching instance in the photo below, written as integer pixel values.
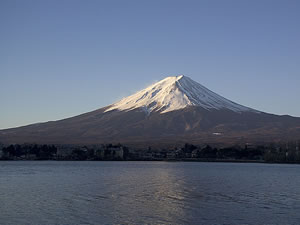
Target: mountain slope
(173, 110)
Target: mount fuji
(172, 111)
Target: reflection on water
(148, 193)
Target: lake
(64, 192)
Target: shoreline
(158, 160)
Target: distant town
(273, 153)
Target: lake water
(52, 192)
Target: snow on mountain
(173, 93)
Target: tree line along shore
(273, 153)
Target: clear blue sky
(61, 58)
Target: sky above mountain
(63, 58)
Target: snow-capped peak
(173, 93)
